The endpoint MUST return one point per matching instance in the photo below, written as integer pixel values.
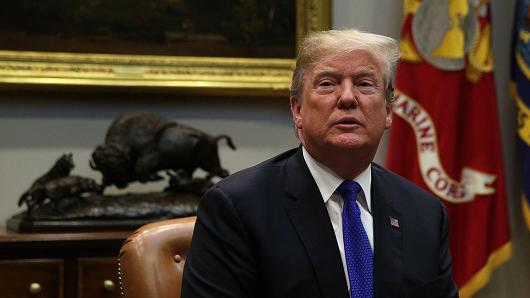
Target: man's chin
(349, 143)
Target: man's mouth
(347, 121)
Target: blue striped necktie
(359, 256)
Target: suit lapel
(310, 218)
(388, 247)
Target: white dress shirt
(327, 182)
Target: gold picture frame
(194, 75)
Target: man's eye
(326, 83)
(366, 84)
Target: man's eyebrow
(325, 73)
(365, 72)
(362, 72)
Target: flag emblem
(394, 222)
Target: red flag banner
(445, 134)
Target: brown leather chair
(152, 259)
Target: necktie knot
(349, 190)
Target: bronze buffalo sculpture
(139, 145)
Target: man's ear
(388, 118)
(296, 111)
(389, 101)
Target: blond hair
(318, 45)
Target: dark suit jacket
(265, 232)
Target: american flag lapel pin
(394, 222)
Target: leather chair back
(152, 259)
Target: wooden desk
(60, 265)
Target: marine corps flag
(445, 135)
(520, 89)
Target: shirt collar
(327, 181)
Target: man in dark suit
(322, 220)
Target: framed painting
(237, 47)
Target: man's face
(342, 105)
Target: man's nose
(347, 97)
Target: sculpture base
(105, 213)
(21, 223)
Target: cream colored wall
(37, 128)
